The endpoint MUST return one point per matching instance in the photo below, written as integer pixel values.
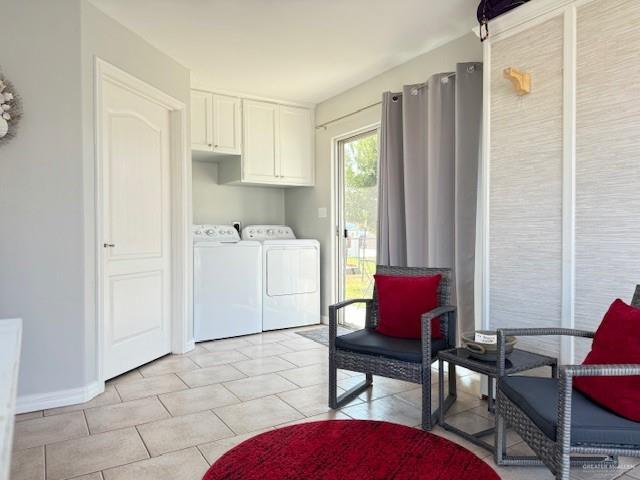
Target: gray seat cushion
(370, 342)
(590, 423)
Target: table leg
(490, 399)
(453, 388)
(554, 370)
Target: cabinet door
(226, 125)
(259, 137)
(295, 146)
(201, 121)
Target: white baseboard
(187, 347)
(60, 398)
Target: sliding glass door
(357, 192)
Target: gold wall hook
(521, 80)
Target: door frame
(181, 262)
(337, 219)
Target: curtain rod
(444, 79)
(324, 125)
(414, 91)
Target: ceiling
(299, 50)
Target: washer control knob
(210, 232)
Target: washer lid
(267, 232)
(215, 233)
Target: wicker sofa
(557, 421)
(371, 353)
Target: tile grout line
(231, 393)
(144, 444)
(166, 409)
(224, 423)
(138, 461)
(287, 403)
(86, 422)
(197, 447)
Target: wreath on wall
(10, 110)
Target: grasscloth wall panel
(525, 211)
(607, 158)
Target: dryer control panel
(215, 233)
(267, 232)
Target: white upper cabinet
(260, 130)
(216, 123)
(277, 147)
(227, 125)
(201, 121)
(295, 145)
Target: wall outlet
(237, 226)
(322, 212)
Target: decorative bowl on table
(483, 345)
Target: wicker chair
(371, 353)
(557, 421)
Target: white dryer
(290, 277)
(227, 283)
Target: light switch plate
(322, 212)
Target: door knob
(109, 245)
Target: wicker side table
(518, 361)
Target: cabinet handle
(109, 245)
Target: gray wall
(219, 203)
(47, 247)
(41, 193)
(301, 204)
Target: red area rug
(349, 450)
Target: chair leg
(429, 417)
(336, 401)
(499, 439)
(427, 420)
(333, 384)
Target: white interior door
(135, 147)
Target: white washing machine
(227, 283)
(290, 277)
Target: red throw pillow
(617, 341)
(401, 302)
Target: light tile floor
(170, 419)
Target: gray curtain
(429, 156)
